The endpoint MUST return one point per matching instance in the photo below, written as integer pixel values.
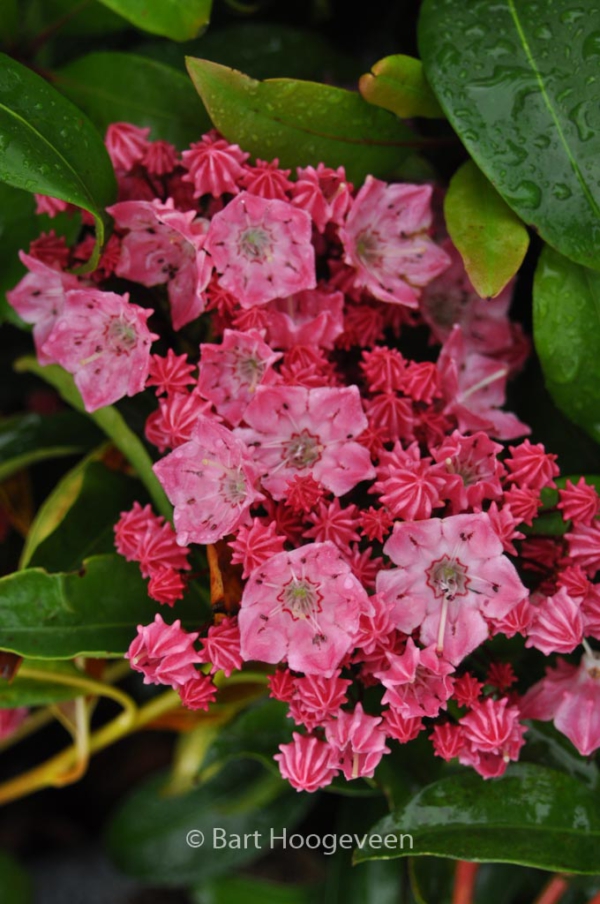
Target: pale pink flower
(307, 763)
(312, 317)
(229, 373)
(359, 741)
(385, 240)
(164, 653)
(49, 205)
(303, 607)
(164, 245)
(570, 696)
(261, 249)
(417, 681)
(104, 341)
(211, 482)
(307, 431)
(451, 578)
(474, 389)
(39, 299)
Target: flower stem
(553, 891)
(464, 882)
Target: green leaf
(250, 890)
(29, 692)
(80, 515)
(179, 20)
(74, 18)
(29, 438)
(256, 733)
(15, 885)
(157, 95)
(398, 83)
(111, 422)
(532, 816)
(50, 147)
(147, 836)
(301, 123)
(491, 239)
(566, 331)
(514, 80)
(94, 612)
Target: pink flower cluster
(372, 504)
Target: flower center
(447, 578)
(254, 243)
(233, 487)
(301, 598)
(302, 450)
(121, 336)
(249, 370)
(368, 248)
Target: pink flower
(39, 299)
(104, 341)
(399, 727)
(267, 180)
(584, 546)
(174, 422)
(166, 586)
(492, 736)
(307, 431)
(312, 317)
(230, 372)
(214, 166)
(473, 468)
(253, 545)
(452, 577)
(170, 374)
(579, 502)
(126, 144)
(164, 653)
(359, 741)
(302, 606)
(332, 522)
(221, 646)
(324, 192)
(570, 696)
(531, 466)
(318, 698)
(164, 245)
(557, 624)
(262, 249)
(385, 240)
(198, 692)
(210, 480)
(307, 763)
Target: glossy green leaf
(250, 890)
(532, 816)
(157, 95)
(179, 20)
(300, 122)
(30, 692)
(256, 734)
(50, 147)
(110, 421)
(147, 836)
(397, 83)
(516, 82)
(29, 438)
(73, 18)
(566, 331)
(93, 612)
(84, 523)
(490, 237)
(15, 885)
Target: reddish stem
(595, 899)
(553, 891)
(464, 882)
